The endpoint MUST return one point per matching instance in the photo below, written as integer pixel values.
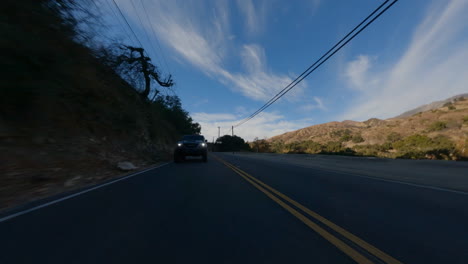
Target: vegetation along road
(240, 208)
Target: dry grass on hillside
(450, 121)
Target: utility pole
(232, 130)
(219, 131)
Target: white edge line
(382, 179)
(76, 194)
(392, 181)
(412, 184)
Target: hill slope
(431, 106)
(442, 129)
(66, 119)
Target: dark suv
(191, 145)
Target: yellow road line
(371, 249)
(356, 256)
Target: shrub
(451, 107)
(345, 138)
(366, 150)
(393, 137)
(448, 104)
(357, 138)
(277, 146)
(340, 133)
(232, 143)
(437, 126)
(296, 147)
(344, 135)
(332, 146)
(420, 146)
(312, 147)
(261, 145)
(308, 146)
(387, 146)
(416, 141)
(442, 142)
(465, 120)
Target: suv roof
(193, 137)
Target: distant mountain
(431, 106)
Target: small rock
(72, 181)
(126, 166)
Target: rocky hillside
(431, 106)
(447, 124)
(67, 119)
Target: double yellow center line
(348, 250)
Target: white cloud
(206, 117)
(317, 104)
(206, 46)
(241, 110)
(357, 71)
(314, 5)
(200, 102)
(258, 82)
(265, 125)
(433, 67)
(254, 14)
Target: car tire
(177, 158)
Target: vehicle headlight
(179, 144)
(203, 144)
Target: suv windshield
(193, 138)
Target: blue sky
(229, 57)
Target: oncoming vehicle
(191, 145)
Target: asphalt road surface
(237, 209)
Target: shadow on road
(191, 160)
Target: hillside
(431, 106)
(66, 118)
(437, 133)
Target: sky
(228, 57)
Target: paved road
(243, 210)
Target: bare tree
(137, 62)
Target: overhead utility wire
(319, 62)
(128, 24)
(159, 46)
(330, 50)
(144, 30)
(154, 35)
(129, 36)
(299, 79)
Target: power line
(143, 28)
(321, 60)
(155, 36)
(128, 24)
(331, 49)
(120, 22)
(159, 45)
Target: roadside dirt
(45, 167)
